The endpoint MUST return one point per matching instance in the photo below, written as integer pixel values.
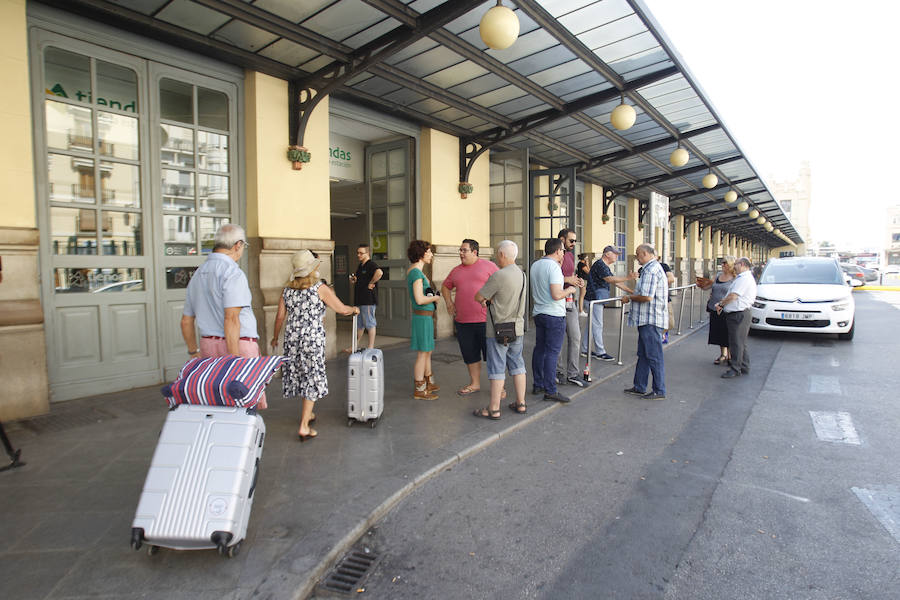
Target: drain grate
(63, 420)
(445, 357)
(350, 572)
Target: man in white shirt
(736, 306)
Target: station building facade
(123, 155)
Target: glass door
(389, 184)
(552, 204)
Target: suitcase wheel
(152, 550)
(137, 537)
(234, 550)
(350, 422)
(373, 423)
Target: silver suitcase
(199, 490)
(365, 384)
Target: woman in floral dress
(302, 304)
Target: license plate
(798, 316)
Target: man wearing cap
(598, 283)
(218, 302)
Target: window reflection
(212, 109)
(213, 193)
(118, 135)
(180, 235)
(123, 236)
(176, 100)
(208, 227)
(177, 190)
(177, 146)
(73, 230)
(69, 127)
(212, 151)
(86, 280)
(116, 86)
(70, 179)
(120, 185)
(67, 75)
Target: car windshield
(802, 272)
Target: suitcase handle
(353, 335)
(255, 476)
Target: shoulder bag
(505, 333)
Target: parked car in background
(870, 273)
(804, 294)
(856, 275)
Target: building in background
(795, 198)
(892, 231)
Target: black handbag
(505, 333)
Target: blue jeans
(650, 359)
(596, 324)
(502, 358)
(549, 333)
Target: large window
(506, 203)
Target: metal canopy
(552, 91)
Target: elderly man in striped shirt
(650, 315)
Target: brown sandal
(518, 407)
(487, 413)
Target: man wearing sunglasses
(567, 367)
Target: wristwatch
(193, 352)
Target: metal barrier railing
(621, 307)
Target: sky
(804, 80)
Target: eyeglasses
(572, 240)
(246, 245)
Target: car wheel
(849, 334)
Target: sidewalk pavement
(66, 515)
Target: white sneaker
(582, 314)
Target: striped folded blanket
(222, 381)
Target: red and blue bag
(222, 381)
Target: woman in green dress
(423, 301)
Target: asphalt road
(724, 490)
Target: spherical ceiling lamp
(761, 220)
(769, 227)
(679, 157)
(710, 181)
(623, 116)
(742, 206)
(499, 27)
(753, 213)
(730, 197)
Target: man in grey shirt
(505, 290)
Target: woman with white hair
(302, 304)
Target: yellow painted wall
(597, 235)
(447, 218)
(282, 202)
(680, 241)
(17, 208)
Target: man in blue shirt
(218, 302)
(549, 311)
(598, 288)
(650, 315)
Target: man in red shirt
(467, 278)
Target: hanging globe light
(769, 227)
(499, 27)
(623, 116)
(710, 181)
(753, 213)
(742, 206)
(679, 157)
(761, 220)
(730, 197)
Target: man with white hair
(218, 303)
(505, 290)
(736, 308)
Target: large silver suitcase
(365, 383)
(199, 490)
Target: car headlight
(759, 304)
(837, 307)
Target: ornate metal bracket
(643, 207)
(608, 196)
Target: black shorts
(471, 342)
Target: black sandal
(519, 407)
(487, 413)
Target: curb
(346, 542)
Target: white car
(804, 294)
